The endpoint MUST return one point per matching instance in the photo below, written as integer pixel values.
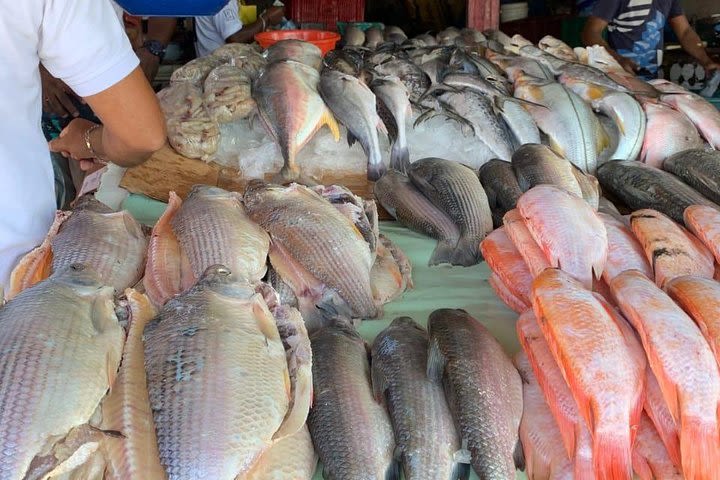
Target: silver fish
(394, 95)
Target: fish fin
(351, 139)
(467, 252)
(37, 264)
(612, 453)
(379, 383)
(699, 449)
(329, 119)
(399, 158)
(393, 471)
(381, 126)
(443, 253)
(435, 362)
(519, 455)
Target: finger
(86, 165)
(67, 104)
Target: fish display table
(435, 287)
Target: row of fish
(325, 252)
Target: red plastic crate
(327, 12)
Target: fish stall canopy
(450, 255)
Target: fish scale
(698, 168)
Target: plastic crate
(341, 26)
(326, 12)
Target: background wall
(700, 8)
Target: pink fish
(518, 233)
(704, 222)
(506, 262)
(624, 251)
(650, 459)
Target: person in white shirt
(225, 27)
(83, 44)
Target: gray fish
(351, 431)
(427, 441)
(448, 36)
(537, 165)
(483, 389)
(428, 39)
(373, 37)
(640, 186)
(698, 168)
(355, 209)
(410, 207)
(354, 36)
(297, 50)
(521, 124)
(394, 34)
(412, 76)
(456, 190)
(283, 290)
(353, 103)
(501, 186)
(395, 97)
(514, 67)
(347, 60)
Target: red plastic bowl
(325, 41)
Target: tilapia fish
(428, 444)
(291, 109)
(61, 345)
(574, 131)
(219, 381)
(507, 263)
(624, 251)
(363, 214)
(501, 186)
(691, 388)
(567, 230)
(604, 371)
(517, 230)
(296, 50)
(698, 168)
(210, 227)
(456, 189)
(537, 165)
(545, 458)
(406, 204)
(394, 95)
(113, 244)
(704, 223)
(640, 186)
(353, 103)
(658, 411)
(650, 458)
(671, 250)
(658, 145)
(701, 113)
(391, 272)
(483, 389)
(315, 249)
(292, 458)
(350, 429)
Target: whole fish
(624, 251)
(507, 263)
(448, 36)
(210, 227)
(671, 250)
(483, 389)
(61, 346)
(427, 441)
(351, 431)
(503, 292)
(394, 95)
(698, 168)
(456, 190)
(315, 248)
(353, 103)
(292, 458)
(517, 230)
(603, 371)
(291, 109)
(521, 124)
(210, 356)
(516, 67)
(113, 244)
(658, 145)
(640, 186)
(545, 458)
(704, 223)
(660, 415)
(691, 389)
(579, 72)
(557, 48)
(699, 298)
(373, 37)
(407, 205)
(362, 213)
(701, 113)
(575, 133)
(501, 186)
(536, 164)
(354, 36)
(626, 112)
(416, 81)
(650, 458)
(574, 433)
(348, 60)
(296, 50)
(567, 230)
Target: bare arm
(133, 124)
(272, 16)
(691, 42)
(592, 35)
(162, 30)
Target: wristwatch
(155, 47)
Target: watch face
(155, 47)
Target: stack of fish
(441, 199)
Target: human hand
(628, 65)
(274, 15)
(71, 144)
(149, 63)
(57, 97)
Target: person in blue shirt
(635, 33)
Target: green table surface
(435, 287)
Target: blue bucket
(172, 8)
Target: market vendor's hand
(274, 15)
(71, 144)
(57, 97)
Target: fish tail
(399, 157)
(700, 448)
(443, 252)
(467, 252)
(375, 167)
(612, 455)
